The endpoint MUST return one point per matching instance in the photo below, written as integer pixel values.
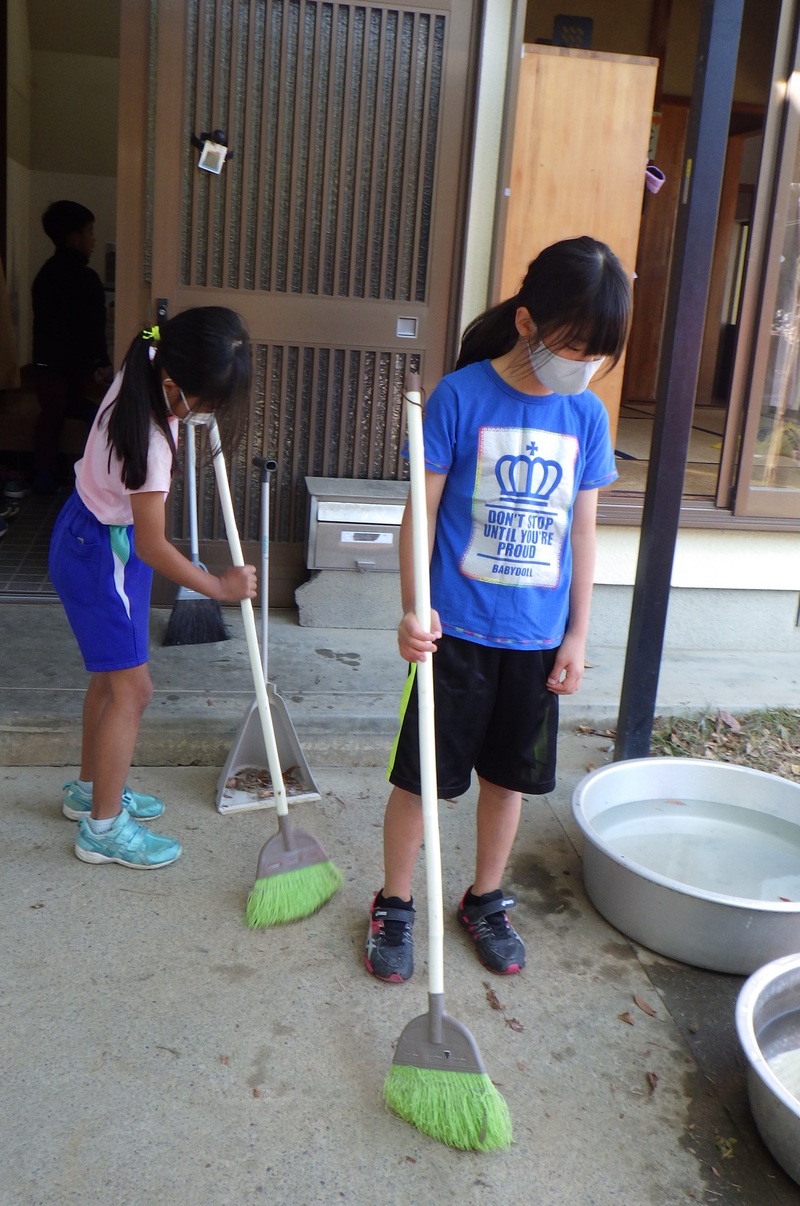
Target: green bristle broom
(437, 1080)
(294, 877)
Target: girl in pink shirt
(108, 540)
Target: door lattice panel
(332, 229)
(332, 111)
(319, 412)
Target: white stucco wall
(712, 560)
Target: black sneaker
(498, 944)
(389, 954)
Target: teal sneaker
(140, 806)
(126, 842)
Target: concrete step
(341, 689)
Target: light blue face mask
(558, 374)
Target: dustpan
(244, 782)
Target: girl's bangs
(600, 334)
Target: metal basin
(695, 859)
(768, 1025)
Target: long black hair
(206, 352)
(577, 288)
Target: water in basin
(780, 1043)
(716, 847)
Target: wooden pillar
(4, 132)
(132, 293)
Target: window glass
(776, 462)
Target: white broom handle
(191, 485)
(424, 673)
(248, 616)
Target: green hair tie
(151, 333)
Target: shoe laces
(396, 932)
(499, 924)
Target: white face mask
(166, 400)
(192, 417)
(558, 374)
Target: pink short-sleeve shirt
(98, 480)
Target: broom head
(294, 879)
(195, 620)
(438, 1083)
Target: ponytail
(206, 352)
(490, 335)
(575, 290)
(140, 401)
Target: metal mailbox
(354, 524)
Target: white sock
(101, 826)
(86, 786)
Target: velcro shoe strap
(489, 907)
(384, 914)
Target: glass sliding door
(768, 364)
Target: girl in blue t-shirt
(516, 449)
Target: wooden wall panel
(580, 142)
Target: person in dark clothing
(69, 340)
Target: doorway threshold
(24, 549)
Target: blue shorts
(104, 587)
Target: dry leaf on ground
(726, 1146)
(492, 998)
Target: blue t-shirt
(502, 560)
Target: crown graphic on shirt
(530, 479)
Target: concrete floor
(158, 1051)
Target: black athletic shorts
(493, 713)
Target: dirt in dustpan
(256, 781)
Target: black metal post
(701, 184)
